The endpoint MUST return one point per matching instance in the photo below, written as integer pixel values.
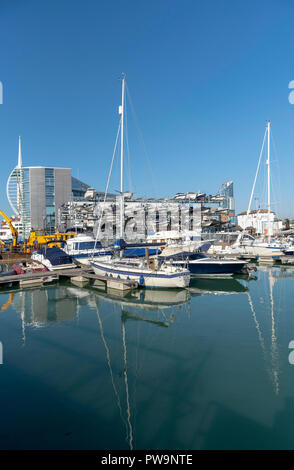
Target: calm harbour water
(204, 368)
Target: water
(205, 368)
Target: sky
(203, 78)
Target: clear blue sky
(203, 77)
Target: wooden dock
(77, 276)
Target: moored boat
(83, 249)
(199, 264)
(162, 275)
(147, 272)
(53, 259)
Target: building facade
(260, 221)
(41, 191)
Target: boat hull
(148, 278)
(214, 268)
(86, 259)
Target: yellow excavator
(36, 239)
(12, 228)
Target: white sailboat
(246, 244)
(148, 273)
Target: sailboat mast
(121, 110)
(268, 181)
(122, 136)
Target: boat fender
(141, 280)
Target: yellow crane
(12, 228)
(39, 238)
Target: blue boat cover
(139, 252)
(185, 256)
(122, 244)
(56, 256)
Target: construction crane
(12, 228)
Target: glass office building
(228, 202)
(227, 191)
(36, 194)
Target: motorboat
(53, 259)
(201, 265)
(180, 197)
(83, 249)
(28, 267)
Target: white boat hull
(144, 277)
(87, 260)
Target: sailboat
(147, 272)
(246, 244)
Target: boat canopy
(139, 252)
(56, 256)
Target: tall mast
(122, 135)
(121, 111)
(268, 181)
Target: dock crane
(12, 228)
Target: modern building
(79, 189)
(50, 198)
(227, 191)
(83, 213)
(35, 194)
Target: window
(87, 245)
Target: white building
(259, 220)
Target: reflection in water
(110, 367)
(272, 356)
(216, 286)
(161, 360)
(147, 299)
(151, 300)
(7, 303)
(40, 306)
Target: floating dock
(77, 276)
